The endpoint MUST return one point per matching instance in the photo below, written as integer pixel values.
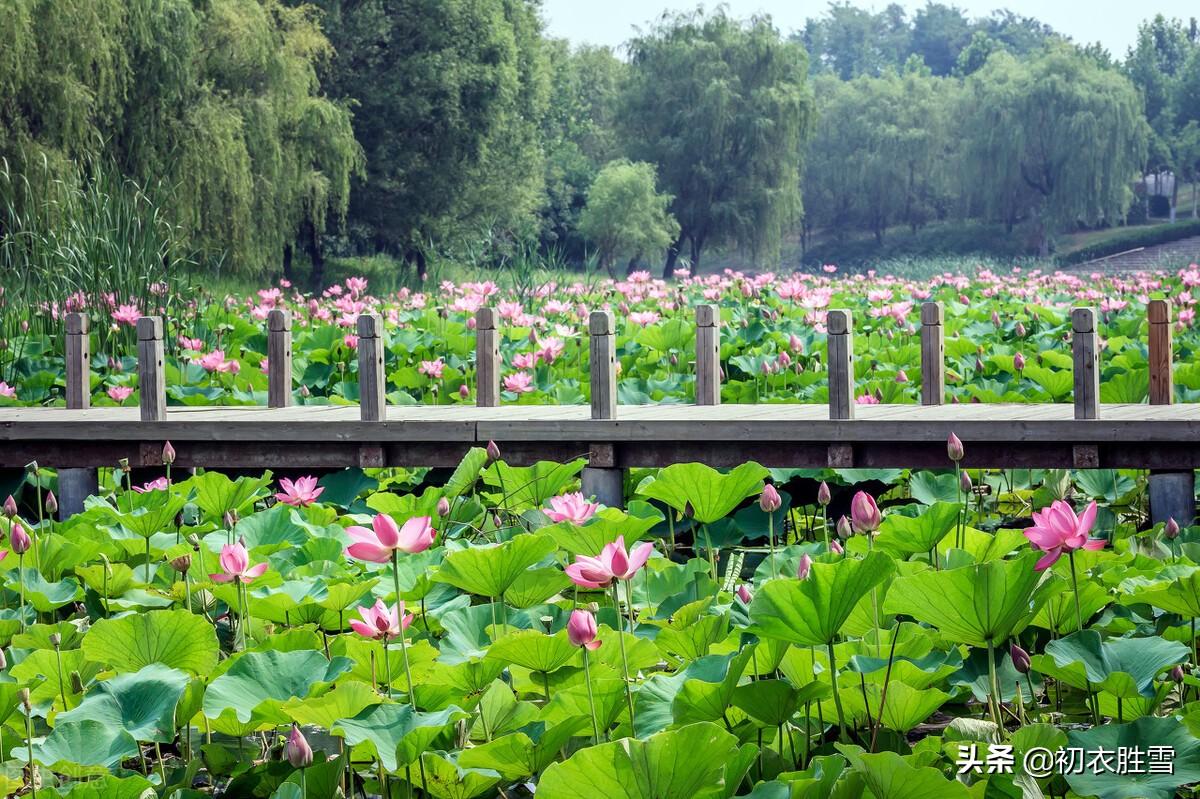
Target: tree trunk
(312, 245)
(632, 266)
(422, 264)
(672, 257)
(288, 252)
(1195, 192)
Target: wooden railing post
(601, 478)
(1162, 381)
(487, 359)
(152, 387)
(708, 355)
(603, 365)
(1172, 493)
(933, 354)
(279, 358)
(75, 485)
(1087, 363)
(371, 394)
(840, 327)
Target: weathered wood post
(708, 355)
(279, 359)
(1172, 494)
(487, 359)
(152, 386)
(840, 327)
(371, 395)
(933, 354)
(1087, 363)
(601, 477)
(75, 485)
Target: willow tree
(219, 101)
(1059, 133)
(722, 107)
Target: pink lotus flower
(864, 513)
(126, 315)
(770, 501)
(351, 341)
(613, 563)
(6, 390)
(158, 484)
(120, 393)
(1057, 530)
(743, 593)
(432, 369)
(377, 544)
(581, 630)
(19, 540)
(215, 362)
(572, 508)
(297, 751)
(299, 494)
(805, 567)
(519, 382)
(644, 318)
(235, 565)
(380, 621)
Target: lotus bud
(1177, 674)
(954, 448)
(1171, 529)
(182, 563)
(55, 640)
(674, 359)
(178, 520)
(1019, 362)
(464, 391)
(836, 547)
(996, 318)
(964, 482)
(823, 495)
(23, 698)
(864, 513)
(581, 630)
(688, 510)
(76, 682)
(978, 365)
(19, 540)
(843, 528)
(1020, 658)
(168, 454)
(305, 392)
(3, 661)
(805, 567)
(297, 751)
(443, 507)
(743, 593)
(1021, 329)
(493, 452)
(51, 503)
(10, 507)
(231, 518)
(770, 501)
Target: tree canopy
(625, 215)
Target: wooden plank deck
(782, 435)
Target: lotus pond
(1007, 339)
(488, 632)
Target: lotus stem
(587, 679)
(771, 541)
(994, 687)
(403, 638)
(21, 585)
(29, 750)
(837, 699)
(624, 657)
(387, 670)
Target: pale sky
(1111, 22)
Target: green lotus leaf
(216, 494)
(905, 708)
(445, 779)
(888, 776)
(1181, 594)
(535, 650)
(149, 513)
(42, 595)
(930, 488)
(175, 638)
(466, 473)
(811, 612)
(488, 570)
(535, 586)
(912, 534)
(603, 528)
(345, 700)
(394, 733)
(109, 787)
(523, 754)
(46, 673)
(685, 763)
(711, 494)
(988, 602)
(531, 486)
(142, 703)
(266, 531)
(1125, 667)
(258, 683)
(1058, 613)
(700, 692)
(769, 702)
(82, 748)
(975, 675)
(1104, 782)
(343, 487)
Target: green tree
(625, 215)
(939, 34)
(1058, 132)
(723, 109)
(449, 96)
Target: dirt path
(1173, 254)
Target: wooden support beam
(487, 359)
(840, 326)
(76, 485)
(708, 355)
(933, 354)
(152, 387)
(1162, 389)
(602, 328)
(371, 379)
(606, 485)
(1087, 363)
(279, 358)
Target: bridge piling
(1172, 493)
(605, 481)
(76, 485)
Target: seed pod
(182, 563)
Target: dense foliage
(1007, 339)
(754, 633)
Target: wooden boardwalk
(842, 433)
